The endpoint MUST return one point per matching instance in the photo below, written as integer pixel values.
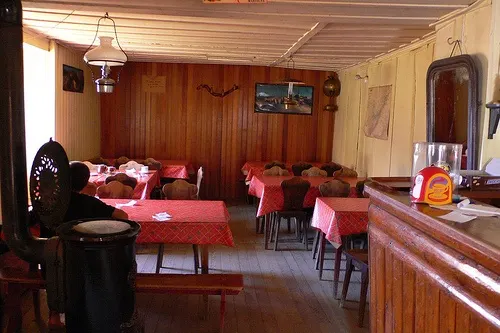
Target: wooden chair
(330, 168)
(115, 190)
(199, 178)
(121, 160)
(345, 172)
(294, 192)
(275, 171)
(314, 172)
(99, 160)
(359, 259)
(151, 163)
(122, 178)
(90, 189)
(131, 165)
(273, 164)
(299, 167)
(179, 190)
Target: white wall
(406, 70)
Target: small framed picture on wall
(73, 79)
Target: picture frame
(73, 79)
(273, 98)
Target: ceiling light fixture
(105, 56)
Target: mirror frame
(461, 61)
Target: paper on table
(163, 216)
(456, 216)
(128, 204)
(466, 208)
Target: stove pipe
(13, 176)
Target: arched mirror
(452, 106)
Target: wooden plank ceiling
(319, 34)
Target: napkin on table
(128, 204)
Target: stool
(359, 259)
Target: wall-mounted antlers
(222, 94)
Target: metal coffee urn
(90, 269)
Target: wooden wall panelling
(218, 133)
(77, 114)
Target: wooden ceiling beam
(298, 44)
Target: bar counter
(428, 274)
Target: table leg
(336, 270)
(266, 230)
(204, 259)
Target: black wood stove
(90, 266)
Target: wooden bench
(201, 284)
(15, 281)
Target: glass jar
(444, 155)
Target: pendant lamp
(105, 56)
(291, 82)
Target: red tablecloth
(145, 183)
(337, 217)
(193, 221)
(268, 189)
(176, 169)
(251, 169)
(170, 168)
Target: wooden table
(268, 189)
(335, 218)
(176, 169)
(428, 274)
(195, 222)
(145, 183)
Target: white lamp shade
(105, 54)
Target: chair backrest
(92, 167)
(121, 160)
(276, 171)
(180, 190)
(335, 188)
(131, 165)
(90, 189)
(275, 163)
(294, 192)
(314, 172)
(99, 160)
(299, 167)
(152, 164)
(199, 177)
(345, 172)
(330, 168)
(115, 190)
(122, 178)
(360, 188)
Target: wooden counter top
(447, 273)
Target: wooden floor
(282, 290)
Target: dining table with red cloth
(254, 168)
(198, 222)
(146, 182)
(176, 169)
(337, 217)
(268, 189)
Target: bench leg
(222, 311)
(13, 315)
(159, 260)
